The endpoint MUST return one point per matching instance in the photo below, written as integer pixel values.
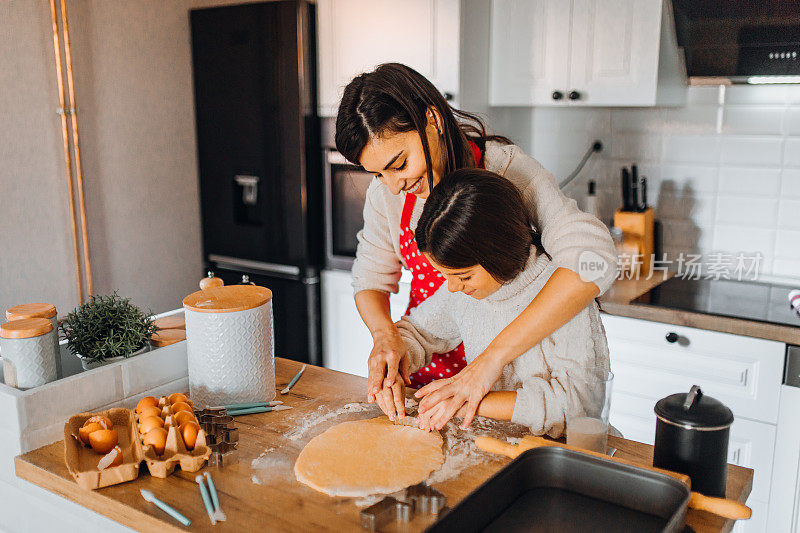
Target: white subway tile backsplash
(756, 151)
(697, 209)
(698, 95)
(789, 213)
(787, 244)
(743, 238)
(637, 120)
(756, 94)
(636, 146)
(790, 182)
(687, 235)
(753, 120)
(691, 148)
(698, 119)
(792, 121)
(791, 152)
(760, 212)
(793, 94)
(749, 181)
(789, 268)
(691, 178)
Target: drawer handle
(672, 337)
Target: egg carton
(82, 461)
(175, 451)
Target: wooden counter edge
(91, 499)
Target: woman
(394, 123)
(475, 227)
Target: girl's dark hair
(475, 217)
(395, 98)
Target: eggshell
(181, 406)
(103, 440)
(177, 397)
(157, 438)
(87, 429)
(147, 401)
(112, 458)
(189, 431)
(147, 412)
(184, 416)
(102, 420)
(149, 423)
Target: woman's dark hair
(475, 217)
(395, 98)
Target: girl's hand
(388, 371)
(461, 394)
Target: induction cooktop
(748, 300)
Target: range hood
(739, 41)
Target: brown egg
(181, 406)
(184, 416)
(87, 429)
(102, 420)
(149, 423)
(112, 458)
(177, 397)
(103, 440)
(147, 401)
(157, 438)
(147, 412)
(189, 432)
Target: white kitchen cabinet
(584, 53)
(346, 341)
(742, 372)
(355, 36)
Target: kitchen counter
(281, 503)
(618, 300)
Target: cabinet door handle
(574, 95)
(557, 95)
(672, 337)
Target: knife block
(637, 233)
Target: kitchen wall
(723, 170)
(133, 79)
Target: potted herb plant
(106, 329)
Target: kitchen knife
(634, 188)
(643, 193)
(626, 190)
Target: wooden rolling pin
(723, 507)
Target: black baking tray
(558, 490)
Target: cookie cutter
(426, 499)
(386, 511)
(223, 454)
(214, 411)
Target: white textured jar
(29, 359)
(39, 310)
(230, 344)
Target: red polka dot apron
(426, 281)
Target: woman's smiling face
(398, 160)
(473, 281)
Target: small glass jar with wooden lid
(29, 359)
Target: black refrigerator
(259, 158)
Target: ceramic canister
(39, 310)
(29, 359)
(230, 345)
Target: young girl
(476, 231)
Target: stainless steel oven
(345, 190)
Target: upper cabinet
(355, 36)
(584, 53)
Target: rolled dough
(366, 457)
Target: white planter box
(34, 418)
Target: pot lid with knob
(694, 410)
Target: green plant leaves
(107, 326)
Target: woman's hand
(388, 372)
(460, 395)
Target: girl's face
(474, 281)
(397, 159)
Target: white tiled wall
(723, 171)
